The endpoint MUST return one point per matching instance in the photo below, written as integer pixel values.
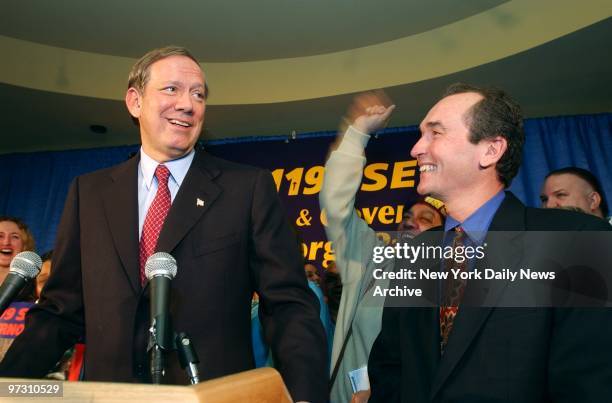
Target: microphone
(24, 267)
(160, 269)
(188, 358)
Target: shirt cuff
(354, 141)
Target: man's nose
(418, 148)
(184, 102)
(407, 224)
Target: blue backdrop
(33, 185)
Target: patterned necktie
(453, 291)
(155, 218)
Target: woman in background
(15, 237)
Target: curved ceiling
(228, 31)
(499, 32)
(65, 62)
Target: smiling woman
(15, 237)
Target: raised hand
(370, 111)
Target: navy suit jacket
(497, 354)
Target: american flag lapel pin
(199, 202)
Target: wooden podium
(255, 386)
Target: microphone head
(160, 264)
(27, 264)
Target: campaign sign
(12, 320)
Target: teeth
(6, 251)
(180, 123)
(427, 168)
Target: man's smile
(181, 123)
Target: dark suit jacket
(499, 354)
(238, 242)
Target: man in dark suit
(225, 227)
(469, 151)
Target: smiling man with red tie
(222, 222)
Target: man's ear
(493, 149)
(594, 201)
(133, 100)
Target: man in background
(574, 187)
(359, 315)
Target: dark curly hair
(495, 115)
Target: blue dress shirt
(478, 223)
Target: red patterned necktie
(453, 292)
(155, 218)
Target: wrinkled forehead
(451, 110)
(177, 68)
(568, 181)
(422, 208)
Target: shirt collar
(178, 168)
(477, 224)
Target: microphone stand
(156, 355)
(187, 357)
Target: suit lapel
(121, 208)
(504, 251)
(195, 196)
